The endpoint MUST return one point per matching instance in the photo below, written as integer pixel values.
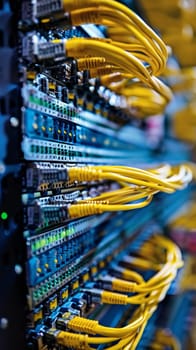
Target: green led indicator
(4, 215)
(33, 247)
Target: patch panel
(72, 276)
(32, 13)
(48, 103)
(107, 246)
(66, 196)
(43, 176)
(111, 245)
(58, 95)
(79, 303)
(52, 284)
(42, 102)
(118, 316)
(42, 217)
(94, 107)
(39, 177)
(36, 48)
(42, 291)
(42, 266)
(41, 150)
(39, 45)
(44, 212)
(38, 244)
(73, 86)
(42, 126)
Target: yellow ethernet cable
(151, 293)
(146, 44)
(136, 185)
(126, 334)
(137, 339)
(122, 343)
(91, 63)
(132, 342)
(129, 287)
(86, 209)
(83, 341)
(80, 341)
(126, 274)
(177, 178)
(140, 98)
(80, 324)
(102, 15)
(155, 254)
(161, 280)
(124, 195)
(166, 272)
(113, 6)
(109, 79)
(126, 61)
(81, 47)
(143, 58)
(101, 71)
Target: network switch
(84, 258)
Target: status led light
(4, 215)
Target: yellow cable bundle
(126, 61)
(80, 47)
(143, 100)
(119, 10)
(140, 99)
(137, 187)
(128, 336)
(159, 283)
(141, 57)
(166, 178)
(146, 45)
